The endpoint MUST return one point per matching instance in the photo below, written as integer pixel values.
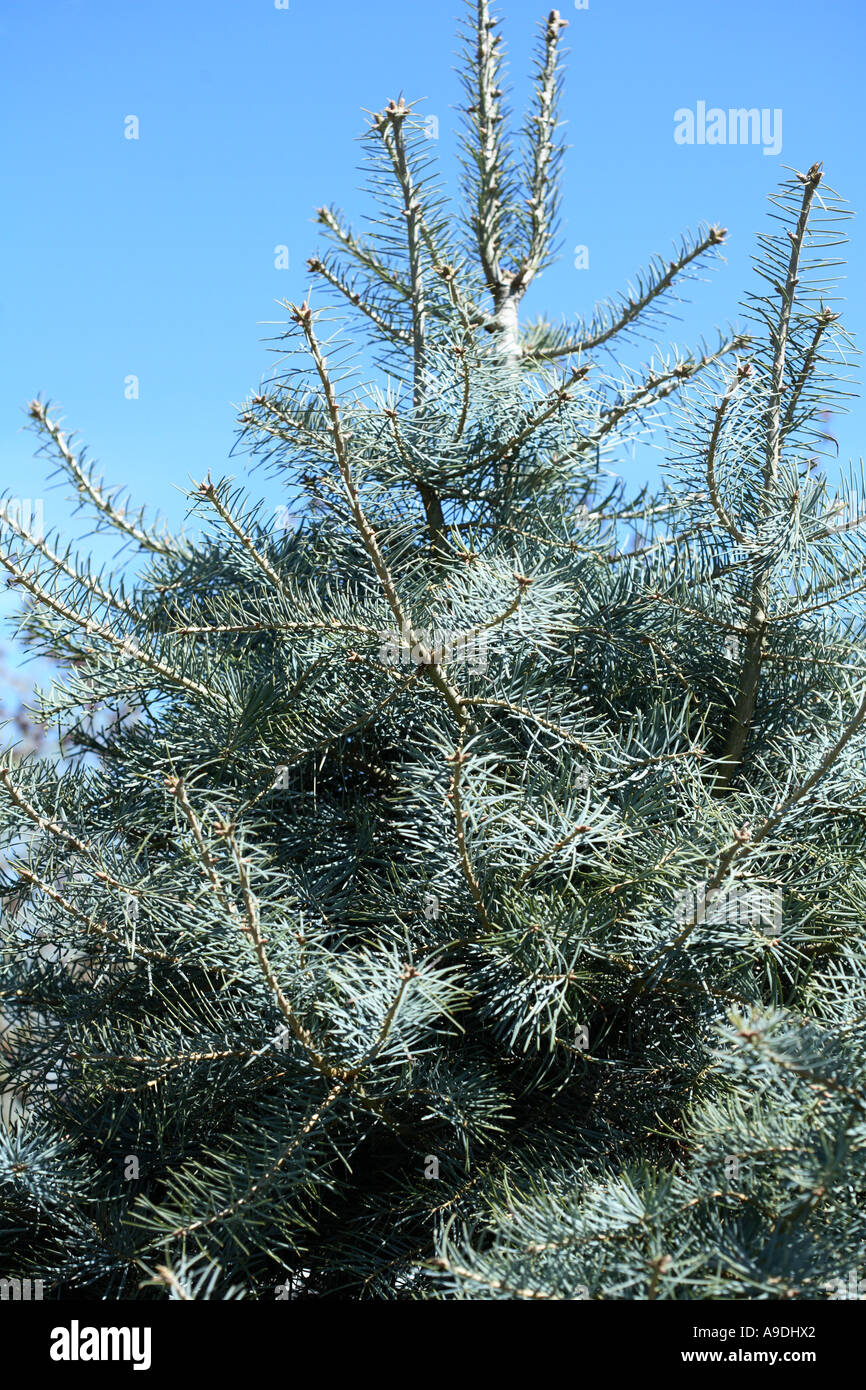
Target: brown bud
(555, 22)
(813, 177)
(301, 314)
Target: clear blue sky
(155, 257)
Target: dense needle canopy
(459, 894)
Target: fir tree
(458, 895)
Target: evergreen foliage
(459, 895)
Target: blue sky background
(155, 257)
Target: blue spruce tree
(460, 894)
